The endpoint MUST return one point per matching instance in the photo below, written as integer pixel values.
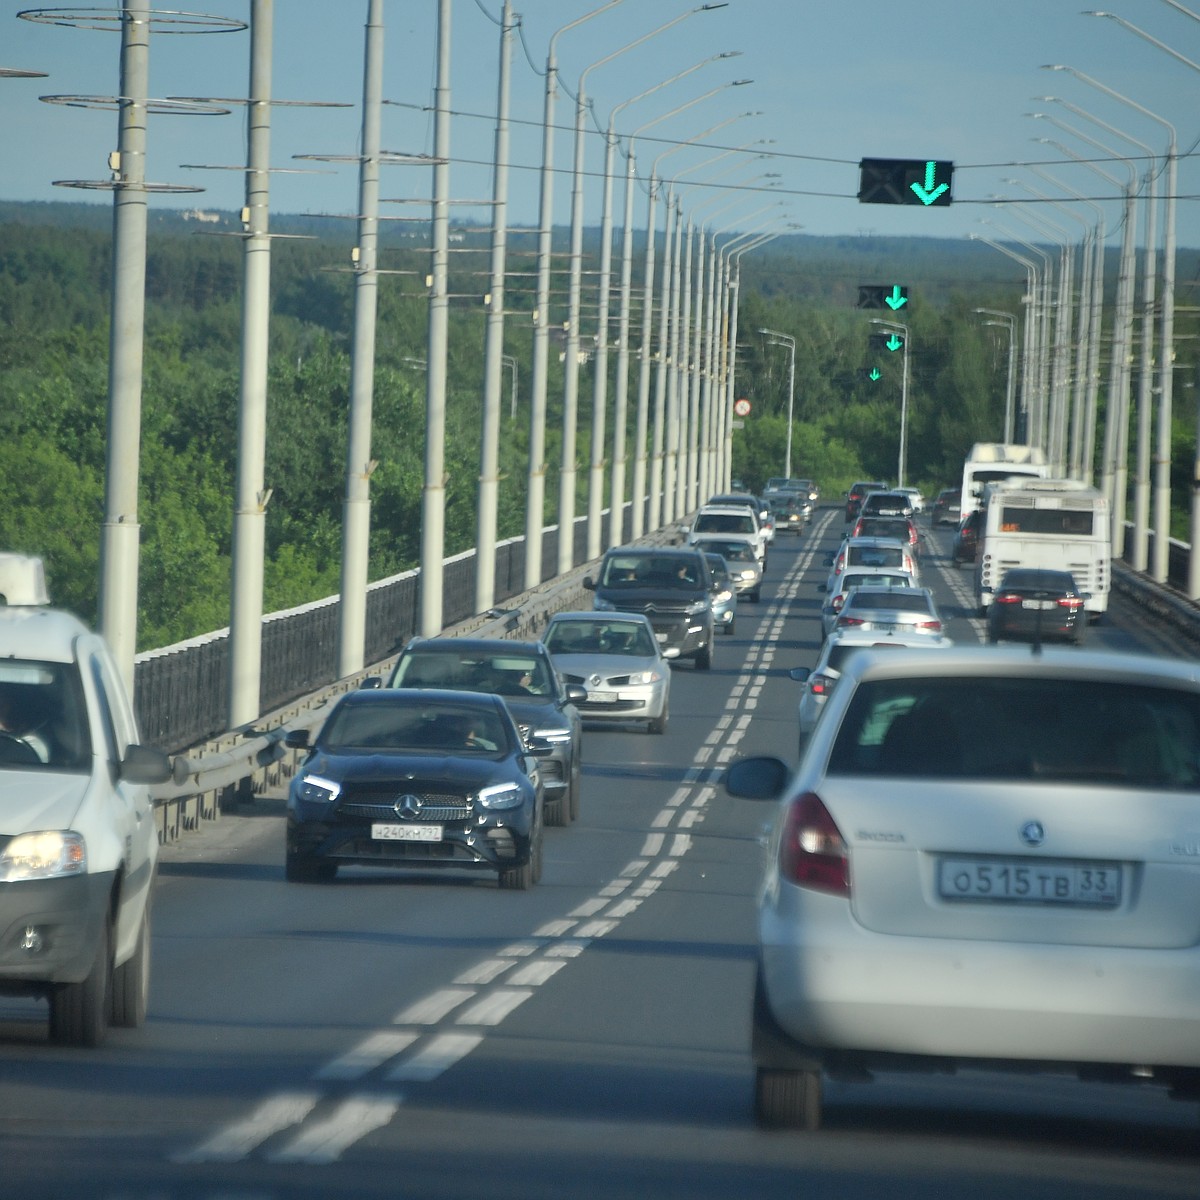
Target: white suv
(720, 520)
(78, 838)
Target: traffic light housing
(891, 296)
(924, 182)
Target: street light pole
(785, 339)
(536, 487)
(1007, 321)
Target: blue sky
(833, 81)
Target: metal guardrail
(242, 763)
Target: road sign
(742, 407)
(925, 182)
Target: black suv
(673, 586)
(542, 705)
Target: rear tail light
(1071, 602)
(846, 622)
(936, 626)
(813, 852)
(820, 685)
(837, 602)
(1006, 598)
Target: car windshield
(1022, 728)
(508, 674)
(43, 720)
(596, 637)
(733, 551)
(411, 728)
(651, 571)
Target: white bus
(990, 462)
(1052, 524)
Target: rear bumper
(846, 990)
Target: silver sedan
(988, 858)
(617, 658)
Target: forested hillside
(54, 301)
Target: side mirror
(296, 739)
(371, 682)
(145, 764)
(761, 778)
(576, 693)
(589, 584)
(800, 674)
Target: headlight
(748, 573)
(556, 737)
(47, 855)
(724, 596)
(645, 677)
(500, 795)
(602, 605)
(313, 789)
(697, 607)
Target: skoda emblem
(1033, 833)
(407, 805)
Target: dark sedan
(542, 705)
(1034, 605)
(400, 778)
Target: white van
(78, 838)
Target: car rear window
(1084, 731)
(898, 600)
(876, 556)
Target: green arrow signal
(897, 299)
(876, 373)
(894, 342)
(928, 194)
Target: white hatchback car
(78, 839)
(987, 858)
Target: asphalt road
(427, 1035)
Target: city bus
(1052, 524)
(990, 462)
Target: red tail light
(1006, 598)
(820, 685)
(837, 602)
(813, 852)
(1069, 602)
(847, 622)
(936, 626)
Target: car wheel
(520, 879)
(703, 658)
(1080, 637)
(304, 868)
(992, 638)
(79, 1011)
(131, 982)
(787, 1099)
(756, 596)
(658, 724)
(729, 628)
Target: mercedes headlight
(499, 795)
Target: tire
(303, 868)
(522, 878)
(658, 724)
(756, 596)
(787, 1099)
(729, 627)
(1080, 638)
(131, 982)
(703, 658)
(79, 1011)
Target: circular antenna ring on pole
(111, 19)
